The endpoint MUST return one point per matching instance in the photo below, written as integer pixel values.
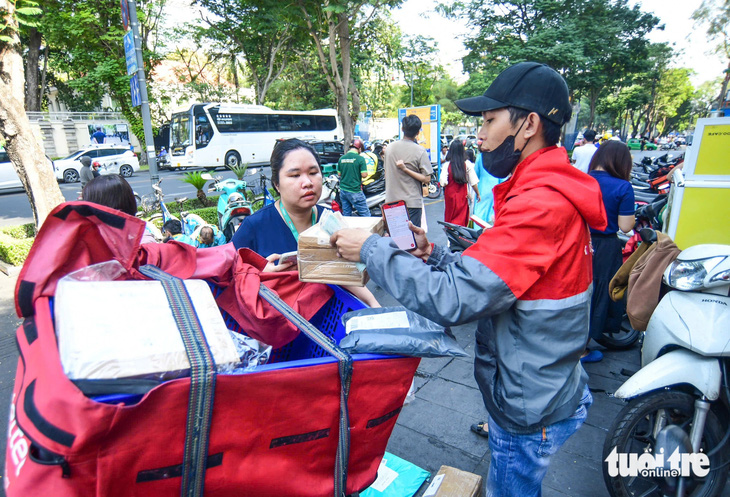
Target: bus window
(280, 122)
(180, 132)
(203, 131)
(252, 122)
(305, 123)
(326, 123)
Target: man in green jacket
(352, 169)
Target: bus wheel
(233, 159)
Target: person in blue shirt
(611, 167)
(172, 230)
(484, 207)
(99, 136)
(208, 236)
(274, 229)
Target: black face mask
(501, 161)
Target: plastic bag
(252, 353)
(103, 271)
(396, 330)
(396, 478)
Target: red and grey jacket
(528, 280)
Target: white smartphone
(396, 221)
(288, 257)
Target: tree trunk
(23, 149)
(32, 100)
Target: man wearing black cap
(527, 280)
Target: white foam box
(317, 260)
(125, 329)
(452, 482)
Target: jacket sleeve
(449, 289)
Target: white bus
(220, 134)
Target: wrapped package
(396, 330)
(125, 329)
(318, 262)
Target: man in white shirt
(582, 155)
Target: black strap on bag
(345, 368)
(202, 380)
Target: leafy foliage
(195, 178)
(15, 243)
(239, 171)
(255, 30)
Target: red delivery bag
(314, 421)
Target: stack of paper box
(318, 261)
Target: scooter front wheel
(434, 190)
(634, 432)
(621, 339)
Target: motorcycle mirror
(206, 177)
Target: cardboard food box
(125, 329)
(452, 482)
(318, 262)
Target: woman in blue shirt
(274, 229)
(611, 167)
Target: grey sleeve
(425, 164)
(450, 289)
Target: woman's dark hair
(614, 157)
(281, 150)
(457, 161)
(112, 191)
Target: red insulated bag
(315, 422)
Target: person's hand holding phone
(272, 267)
(423, 246)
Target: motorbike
(374, 195)
(434, 187)
(460, 237)
(233, 207)
(677, 418)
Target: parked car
(113, 160)
(446, 140)
(9, 179)
(635, 144)
(329, 151)
(467, 140)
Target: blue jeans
(354, 200)
(519, 462)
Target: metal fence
(74, 116)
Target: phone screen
(396, 219)
(288, 257)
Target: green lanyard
(289, 222)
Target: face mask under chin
(501, 161)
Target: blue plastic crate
(302, 351)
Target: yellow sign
(704, 215)
(423, 113)
(714, 154)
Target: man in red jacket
(527, 280)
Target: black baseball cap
(528, 85)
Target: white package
(125, 329)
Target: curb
(8, 269)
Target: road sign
(125, 14)
(136, 95)
(129, 53)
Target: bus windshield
(180, 130)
